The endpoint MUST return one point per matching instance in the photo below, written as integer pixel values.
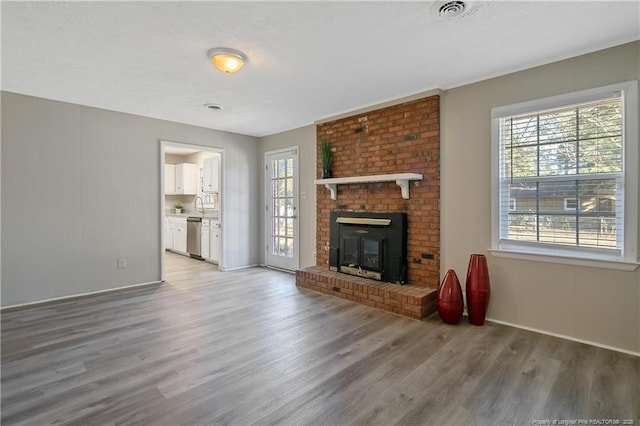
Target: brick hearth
(407, 300)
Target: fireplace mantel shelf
(401, 179)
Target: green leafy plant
(178, 206)
(326, 156)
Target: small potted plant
(326, 159)
(178, 207)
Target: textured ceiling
(307, 60)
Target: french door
(282, 208)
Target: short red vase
(450, 303)
(478, 289)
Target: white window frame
(628, 258)
(570, 200)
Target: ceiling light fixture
(214, 107)
(226, 60)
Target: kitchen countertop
(207, 215)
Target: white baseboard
(562, 336)
(261, 265)
(75, 296)
(275, 268)
(241, 267)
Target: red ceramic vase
(478, 289)
(450, 303)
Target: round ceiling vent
(451, 9)
(213, 107)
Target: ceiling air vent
(213, 107)
(451, 9)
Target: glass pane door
(281, 235)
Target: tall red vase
(478, 289)
(450, 303)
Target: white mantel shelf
(401, 179)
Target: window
(570, 204)
(570, 164)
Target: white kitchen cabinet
(180, 234)
(186, 178)
(181, 179)
(168, 233)
(204, 240)
(211, 174)
(214, 241)
(169, 179)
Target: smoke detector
(450, 9)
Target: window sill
(565, 260)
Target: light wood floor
(248, 347)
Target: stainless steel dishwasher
(194, 225)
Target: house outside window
(570, 204)
(570, 164)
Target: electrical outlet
(315, 256)
(122, 262)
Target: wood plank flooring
(249, 347)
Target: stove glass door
(372, 254)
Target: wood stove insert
(369, 245)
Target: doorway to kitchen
(192, 204)
(281, 196)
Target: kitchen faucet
(195, 203)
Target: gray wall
(81, 187)
(305, 139)
(597, 305)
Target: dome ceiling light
(213, 107)
(226, 60)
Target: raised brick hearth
(406, 300)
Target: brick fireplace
(403, 138)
